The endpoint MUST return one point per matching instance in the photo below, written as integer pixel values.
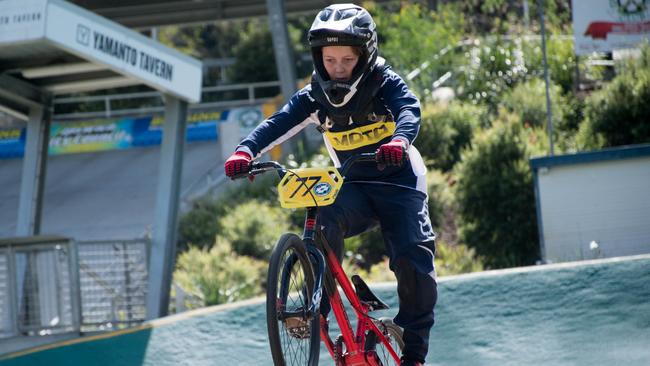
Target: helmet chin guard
(343, 25)
(337, 93)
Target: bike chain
(338, 350)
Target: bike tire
(394, 335)
(288, 347)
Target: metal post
(33, 176)
(75, 285)
(526, 16)
(163, 246)
(282, 48)
(13, 289)
(283, 58)
(576, 81)
(549, 115)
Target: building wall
(607, 202)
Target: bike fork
(316, 258)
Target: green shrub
(559, 55)
(200, 224)
(450, 260)
(495, 197)
(219, 275)
(489, 69)
(366, 249)
(445, 131)
(254, 227)
(528, 102)
(619, 114)
(440, 199)
(456, 259)
(451, 257)
(493, 67)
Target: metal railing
(39, 284)
(212, 97)
(51, 285)
(113, 281)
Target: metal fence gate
(51, 285)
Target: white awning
(63, 48)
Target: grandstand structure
(50, 47)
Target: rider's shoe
(407, 362)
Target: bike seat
(366, 295)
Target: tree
(446, 130)
(619, 114)
(413, 35)
(495, 196)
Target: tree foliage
(495, 196)
(254, 227)
(619, 114)
(446, 130)
(528, 102)
(219, 275)
(255, 60)
(412, 35)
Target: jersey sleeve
(282, 125)
(404, 106)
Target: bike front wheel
(294, 335)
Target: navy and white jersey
(394, 114)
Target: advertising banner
(109, 134)
(606, 25)
(12, 143)
(90, 136)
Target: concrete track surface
(100, 195)
(574, 314)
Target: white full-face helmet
(343, 25)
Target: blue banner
(101, 135)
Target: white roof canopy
(62, 48)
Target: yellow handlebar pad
(309, 187)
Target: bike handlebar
(265, 166)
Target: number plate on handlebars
(309, 187)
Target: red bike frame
(354, 352)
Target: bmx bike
(301, 268)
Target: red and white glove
(391, 154)
(237, 164)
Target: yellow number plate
(309, 187)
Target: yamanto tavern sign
(125, 53)
(78, 31)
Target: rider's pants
(403, 216)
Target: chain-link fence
(51, 285)
(5, 303)
(113, 277)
